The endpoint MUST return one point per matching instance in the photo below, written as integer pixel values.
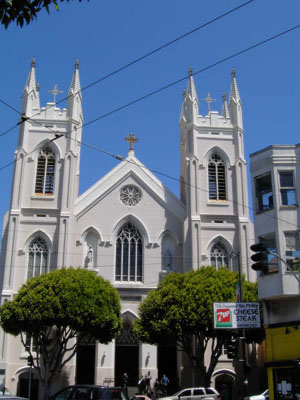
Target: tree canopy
(181, 310)
(23, 11)
(60, 311)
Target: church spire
(75, 84)
(225, 109)
(30, 96)
(74, 95)
(235, 104)
(191, 89)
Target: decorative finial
(190, 70)
(33, 62)
(37, 87)
(233, 73)
(77, 64)
(131, 139)
(208, 100)
(55, 92)
(224, 96)
(184, 93)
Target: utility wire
(137, 60)
(155, 92)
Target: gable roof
(130, 166)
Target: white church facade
(128, 227)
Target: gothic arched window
(44, 183)
(216, 178)
(129, 254)
(37, 258)
(219, 256)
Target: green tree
(23, 10)
(180, 310)
(60, 311)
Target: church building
(128, 227)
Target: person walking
(156, 388)
(148, 383)
(141, 385)
(125, 381)
(164, 385)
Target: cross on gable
(131, 139)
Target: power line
(155, 92)
(137, 60)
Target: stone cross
(55, 92)
(208, 100)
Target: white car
(262, 396)
(200, 393)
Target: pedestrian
(164, 384)
(141, 385)
(148, 382)
(125, 381)
(156, 387)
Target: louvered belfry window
(44, 183)
(216, 178)
(129, 254)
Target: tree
(23, 10)
(180, 310)
(59, 311)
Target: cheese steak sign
(236, 315)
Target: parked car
(11, 397)
(263, 396)
(91, 392)
(200, 393)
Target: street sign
(236, 315)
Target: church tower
(45, 183)
(217, 230)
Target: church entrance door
(127, 360)
(85, 364)
(127, 355)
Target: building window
(292, 249)
(270, 243)
(38, 258)
(264, 192)
(287, 190)
(129, 254)
(216, 178)
(30, 344)
(44, 183)
(219, 256)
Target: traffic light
(233, 348)
(30, 361)
(260, 256)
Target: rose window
(130, 195)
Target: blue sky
(104, 35)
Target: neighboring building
(275, 173)
(128, 227)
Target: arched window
(44, 183)
(216, 178)
(129, 254)
(219, 256)
(38, 258)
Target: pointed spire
(225, 109)
(191, 89)
(75, 84)
(234, 92)
(30, 97)
(30, 82)
(235, 104)
(74, 96)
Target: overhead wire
(67, 134)
(137, 60)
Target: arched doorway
(225, 380)
(127, 355)
(23, 385)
